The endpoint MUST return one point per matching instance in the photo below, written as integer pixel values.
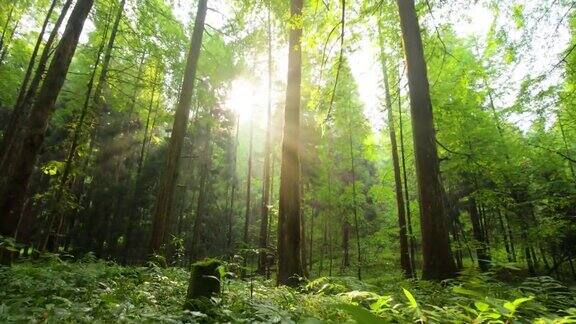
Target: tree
(437, 259)
(19, 169)
(22, 107)
(289, 240)
(405, 262)
(167, 186)
(245, 236)
(263, 239)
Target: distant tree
(164, 200)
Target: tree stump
(204, 283)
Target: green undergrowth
(56, 291)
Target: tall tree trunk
(22, 164)
(263, 242)
(165, 196)
(437, 259)
(289, 240)
(9, 141)
(405, 262)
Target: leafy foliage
(57, 291)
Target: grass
(55, 291)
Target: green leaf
(360, 314)
(481, 306)
(512, 306)
(411, 299)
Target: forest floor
(89, 290)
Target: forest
(287, 161)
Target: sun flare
(245, 97)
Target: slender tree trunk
(411, 238)
(355, 204)
(505, 236)
(108, 57)
(311, 241)
(56, 204)
(202, 193)
(289, 240)
(510, 236)
(324, 248)
(132, 206)
(479, 235)
(405, 262)
(456, 236)
(9, 140)
(272, 168)
(233, 190)
(13, 198)
(32, 62)
(438, 263)
(330, 207)
(7, 26)
(245, 238)
(168, 181)
(263, 242)
(345, 245)
(4, 51)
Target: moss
(204, 282)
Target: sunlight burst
(245, 97)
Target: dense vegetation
(287, 161)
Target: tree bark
(289, 240)
(168, 181)
(22, 164)
(437, 259)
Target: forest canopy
(288, 161)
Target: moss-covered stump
(204, 283)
